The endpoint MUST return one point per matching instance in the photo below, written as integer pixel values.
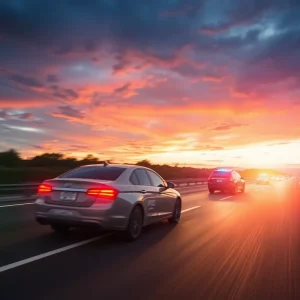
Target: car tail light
(44, 188)
(105, 192)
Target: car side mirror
(170, 185)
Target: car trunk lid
(72, 192)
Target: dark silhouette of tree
(49, 165)
(47, 160)
(144, 163)
(89, 160)
(70, 162)
(10, 158)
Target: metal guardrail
(27, 191)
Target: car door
(149, 193)
(165, 199)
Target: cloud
(39, 147)
(71, 93)
(63, 93)
(52, 78)
(122, 89)
(213, 78)
(183, 9)
(140, 73)
(3, 115)
(16, 96)
(69, 113)
(25, 116)
(27, 81)
(156, 36)
(228, 126)
(23, 128)
(19, 115)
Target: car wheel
(176, 213)
(211, 191)
(234, 190)
(135, 224)
(243, 189)
(61, 228)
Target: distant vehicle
(263, 179)
(224, 179)
(113, 197)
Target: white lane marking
(191, 208)
(226, 198)
(50, 253)
(19, 204)
(53, 252)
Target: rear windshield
(99, 173)
(221, 174)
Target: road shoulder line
(50, 253)
(59, 250)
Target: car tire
(135, 224)
(234, 190)
(243, 189)
(211, 191)
(176, 213)
(60, 228)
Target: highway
(245, 246)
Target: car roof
(125, 166)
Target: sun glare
(248, 156)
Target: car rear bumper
(220, 186)
(103, 216)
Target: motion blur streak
(244, 247)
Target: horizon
(177, 83)
(293, 170)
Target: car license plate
(68, 196)
(61, 212)
(219, 180)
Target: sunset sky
(196, 82)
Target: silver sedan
(109, 196)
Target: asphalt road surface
(242, 247)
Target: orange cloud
(30, 103)
(160, 126)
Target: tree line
(12, 159)
(14, 169)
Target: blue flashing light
(224, 170)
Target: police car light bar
(224, 170)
